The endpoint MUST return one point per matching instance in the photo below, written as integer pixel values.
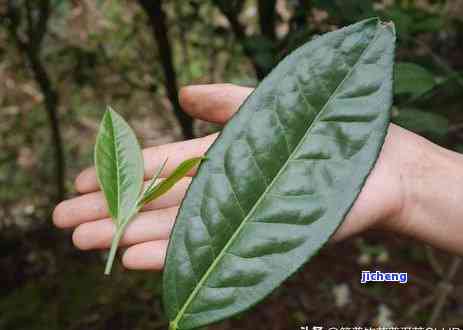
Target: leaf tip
(111, 113)
(109, 109)
(390, 26)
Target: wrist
(431, 179)
(412, 158)
(381, 199)
(407, 158)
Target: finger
(92, 206)
(153, 157)
(147, 226)
(146, 256)
(215, 102)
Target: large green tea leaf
(282, 175)
(119, 165)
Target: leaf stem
(112, 252)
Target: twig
(439, 61)
(444, 290)
(433, 262)
(415, 308)
(422, 282)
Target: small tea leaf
(119, 165)
(281, 176)
(119, 168)
(165, 185)
(152, 182)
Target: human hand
(387, 197)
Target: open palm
(146, 237)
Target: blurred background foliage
(62, 62)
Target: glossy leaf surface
(282, 175)
(119, 165)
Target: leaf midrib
(211, 268)
(116, 158)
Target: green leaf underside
(119, 166)
(281, 176)
(164, 186)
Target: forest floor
(66, 290)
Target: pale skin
(415, 189)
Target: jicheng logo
(378, 276)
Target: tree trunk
(31, 47)
(51, 107)
(267, 16)
(156, 17)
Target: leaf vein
(256, 205)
